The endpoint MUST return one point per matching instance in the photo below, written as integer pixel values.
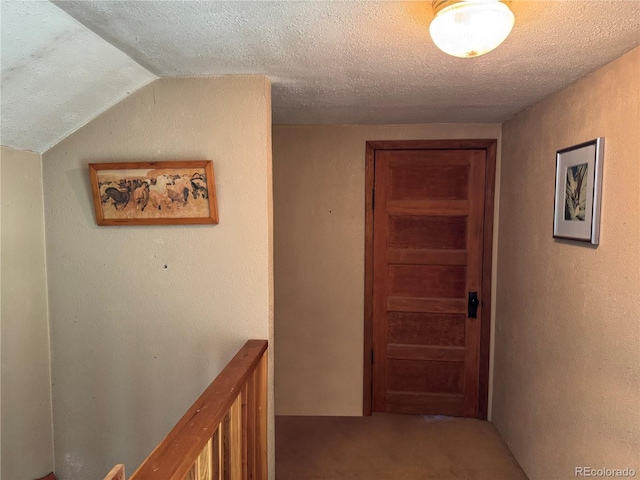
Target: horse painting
(154, 192)
(119, 197)
(179, 191)
(141, 196)
(199, 186)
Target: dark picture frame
(578, 192)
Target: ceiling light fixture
(470, 28)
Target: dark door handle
(473, 304)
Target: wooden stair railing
(223, 436)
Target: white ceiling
(56, 75)
(330, 62)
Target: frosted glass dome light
(469, 28)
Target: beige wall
(143, 318)
(26, 434)
(319, 259)
(567, 375)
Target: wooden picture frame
(154, 193)
(578, 192)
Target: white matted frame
(578, 192)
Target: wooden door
(428, 234)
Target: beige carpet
(391, 447)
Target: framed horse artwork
(154, 193)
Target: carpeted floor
(391, 447)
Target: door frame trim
(490, 146)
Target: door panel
(415, 182)
(433, 305)
(443, 329)
(400, 256)
(422, 352)
(447, 281)
(425, 375)
(427, 232)
(427, 256)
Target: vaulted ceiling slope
(330, 62)
(56, 75)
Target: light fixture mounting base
(439, 5)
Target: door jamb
(490, 147)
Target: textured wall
(143, 318)
(26, 435)
(567, 375)
(319, 259)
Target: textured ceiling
(346, 62)
(56, 75)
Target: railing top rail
(173, 457)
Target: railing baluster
(244, 435)
(204, 463)
(226, 447)
(216, 455)
(261, 419)
(236, 439)
(116, 473)
(192, 474)
(251, 427)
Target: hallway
(391, 447)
